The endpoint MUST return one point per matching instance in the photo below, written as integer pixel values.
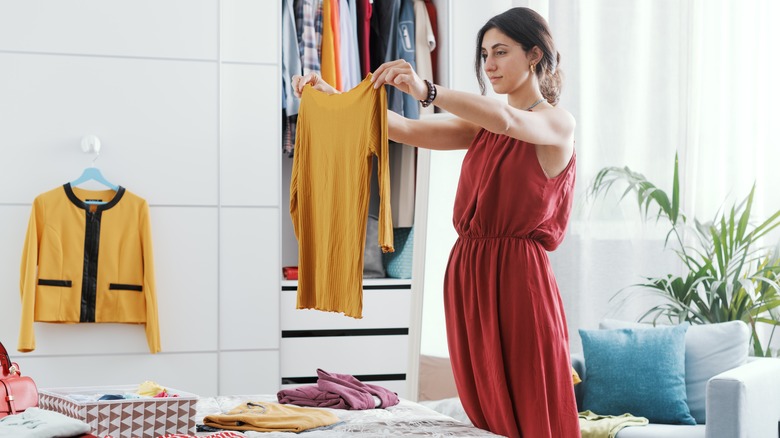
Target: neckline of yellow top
(92, 207)
(366, 82)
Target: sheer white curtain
(734, 94)
(646, 80)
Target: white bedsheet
(451, 407)
(405, 419)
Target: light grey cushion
(710, 349)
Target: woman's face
(505, 62)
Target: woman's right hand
(313, 79)
(402, 76)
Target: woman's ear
(535, 55)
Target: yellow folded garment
(607, 426)
(149, 389)
(271, 417)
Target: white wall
(183, 95)
(458, 29)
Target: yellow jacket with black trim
(84, 262)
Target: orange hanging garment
(335, 24)
(331, 72)
(336, 139)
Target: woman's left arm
(550, 126)
(547, 126)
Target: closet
(434, 235)
(380, 347)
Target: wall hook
(90, 144)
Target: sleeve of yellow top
(383, 176)
(28, 278)
(150, 287)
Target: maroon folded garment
(356, 394)
(311, 396)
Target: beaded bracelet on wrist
(431, 94)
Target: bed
(405, 419)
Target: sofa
(730, 394)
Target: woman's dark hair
(530, 30)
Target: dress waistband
(507, 236)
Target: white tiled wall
(249, 32)
(183, 95)
(249, 305)
(250, 103)
(248, 372)
(183, 29)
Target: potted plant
(728, 275)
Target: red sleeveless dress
(506, 327)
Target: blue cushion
(710, 349)
(640, 371)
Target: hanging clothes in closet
(425, 44)
(393, 37)
(392, 25)
(432, 21)
(292, 52)
(364, 12)
(344, 40)
(350, 56)
(330, 49)
(351, 38)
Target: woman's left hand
(402, 76)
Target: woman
(506, 327)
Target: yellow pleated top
(337, 136)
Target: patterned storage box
(146, 417)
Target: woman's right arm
(439, 134)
